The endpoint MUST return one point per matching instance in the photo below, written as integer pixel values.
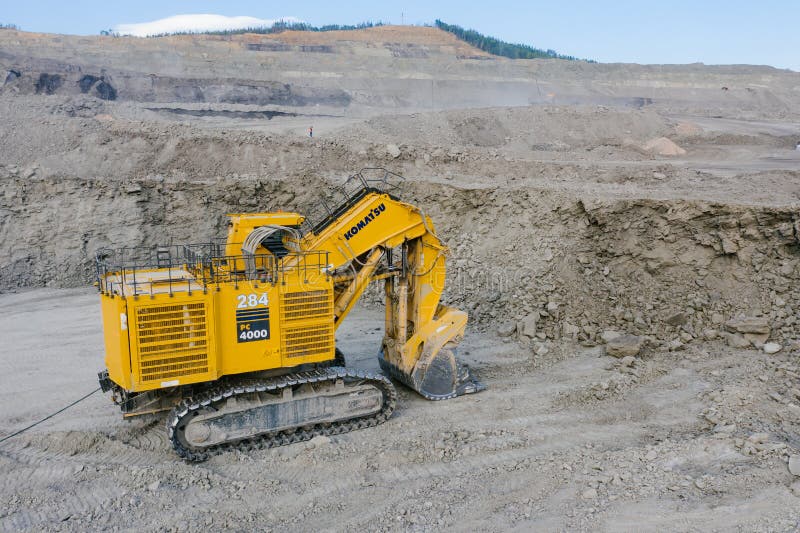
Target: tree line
(278, 27)
(491, 45)
(497, 47)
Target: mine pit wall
(674, 270)
(677, 271)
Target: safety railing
(186, 268)
(334, 203)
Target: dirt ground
(572, 440)
(580, 202)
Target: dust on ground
(571, 440)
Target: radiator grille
(308, 341)
(172, 341)
(306, 305)
(307, 319)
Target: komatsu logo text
(363, 223)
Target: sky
(659, 31)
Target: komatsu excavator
(237, 338)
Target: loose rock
(794, 465)
(319, 441)
(610, 335)
(736, 340)
(772, 347)
(624, 345)
(527, 327)
(678, 319)
(748, 325)
(506, 329)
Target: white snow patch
(196, 23)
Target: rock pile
(663, 146)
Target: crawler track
(215, 401)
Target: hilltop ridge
(368, 71)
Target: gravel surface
(572, 440)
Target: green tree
(497, 47)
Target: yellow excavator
(237, 338)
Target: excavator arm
(373, 236)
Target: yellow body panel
(115, 326)
(187, 335)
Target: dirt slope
(369, 71)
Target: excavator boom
(373, 235)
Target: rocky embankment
(666, 273)
(541, 265)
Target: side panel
(307, 322)
(172, 340)
(247, 327)
(115, 333)
(265, 326)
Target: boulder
(527, 326)
(677, 319)
(609, 335)
(506, 329)
(752, 324)
(794, 465)
(393, 150)
(772, 347)
(624, 345)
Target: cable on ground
(48, 417)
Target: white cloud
(195, 23)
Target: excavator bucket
(437, 376)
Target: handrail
(138, 271)
(355, 187)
